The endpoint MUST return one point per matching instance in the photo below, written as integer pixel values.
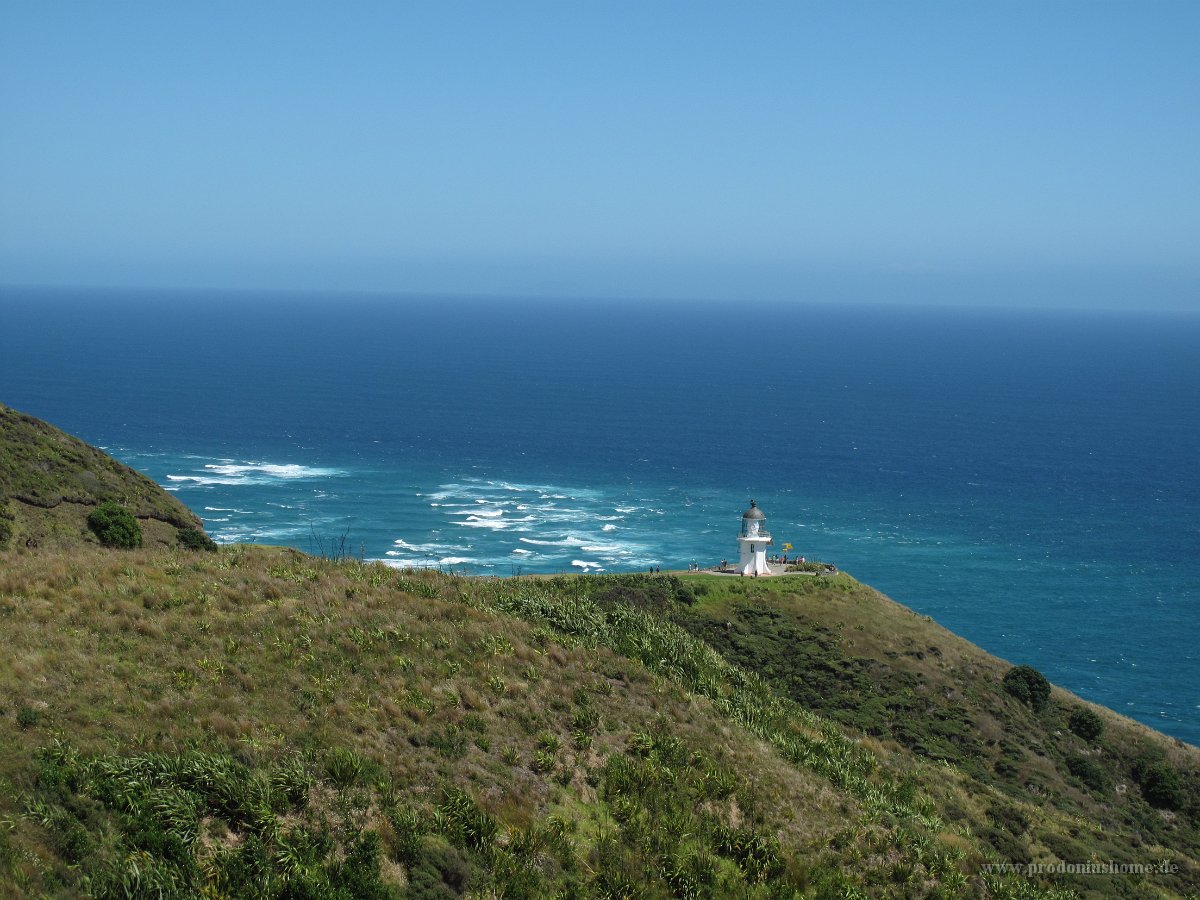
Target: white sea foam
(431, 563)
(236, 535)
(476, 522)
(201, 479)
(274, 470)
(604, 548)
(570, 518)
(569, 542)
(522, 551)
(640, 562)
(432, 548)
(608, 528)
(548, 489)
(586, 565)
(408, 563)
(228, 473)
(489, 513)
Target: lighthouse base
(752, 559)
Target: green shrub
(343, 767)
(408, 828)
(1160, 783)
(6, 525)
(291, 780)
(1028, 685)
(450, 741)
(8, 854)
(1088, 772)
(358, 875)
(465, 824)
(27, 717)
(1009, 818)
(1006, 844)
(1086, 724)
(195, 539)
(440, 872)
(115, 526)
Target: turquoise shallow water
(1027, 479)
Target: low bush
(1029, 686)
(343, 767)
(1005, 843)
(115, 526)
(1009, 818)
(1086, 724)
(195, 539)
(6, 525)
(1160, 783)
(1087, 771)
(134, 825)
(440, 871)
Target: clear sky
(1024, 152)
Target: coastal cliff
(256, 721)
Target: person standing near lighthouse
(753, 542)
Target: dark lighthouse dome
(753, 512)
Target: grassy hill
(848, 653)
(50, 482)
(259, 722)
(256, 722)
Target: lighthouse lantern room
(752, 542)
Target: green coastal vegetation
(57, 492)
(184, 720)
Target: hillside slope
(50, 482)
(846, 652)
(256, 722)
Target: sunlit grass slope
(50, 482)
(257, 722)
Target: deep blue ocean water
(1029, 479)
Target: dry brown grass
(262, 650)
(258, 649)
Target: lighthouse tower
(753, 541)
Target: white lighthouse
(752, 542)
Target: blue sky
(962, 152)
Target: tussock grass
(259, 717)
(256, 653)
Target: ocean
(1030, 479)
